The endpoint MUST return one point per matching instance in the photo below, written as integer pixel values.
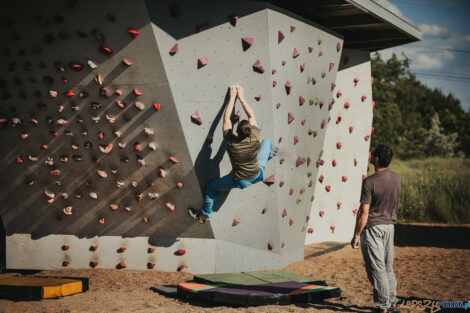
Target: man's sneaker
(193, 213)
(394, 308)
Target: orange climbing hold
(157, 106)
(174, 160)
(127, 62)
(122, 264)
(137, 92)
(133, 33)
(170, 206)
(181, 267)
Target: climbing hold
(235, 222)
(290, 118)
(333, 85)
(333, 162)
(122, 264)
(121, 250)
(331, 66)
(92, 64)
(257, 67)
(139, 105)
(174, 160)
(295, 53)
(181, 267)
(356, 80)
(291, 191)
(364, 177)
(280, 36)
(310, 230)
(310, 183)
(308, 161)
(284, 212)
(302, 67)
(170, 206)
(338, 94)
(76, 66)
(99, 79)
(105, 92)
(247, 42)
(101, 220)
(93, 248)
(363, 98)
(296, 140)
(323, 123)
(310, 131)
(196, 118)
(283, 62)
(281, 160)
(274, 83)
(93, 264)
(320, 179)
(233, 19)
(288, 87)
(301, 100)
(328, 188)
(302, 122)
(344, 179)
(320, 53)
(150, 250)
(373, 104)
(291, 221)
(310, 49)
(102, 173)
(372, 79)
(281, 183)
(127, 62)
(366, 137)
(65, 263)
(338, 47)
(157, 106)
(201, 62)
(302, 190)
(338, 205)
(338, 145)
(137, 92)
(201, 27)
(355, 162)
(269, 180)
(372, 129)
(346, 105)
(258, 97)
(270, 246)
(321, 213)
(338, 119)
(323, 74)
(150, 265)
(179, 185)
(351, 128)
(67, 210)
(332, 229)
(174, 49)
(133, 33)
(105, 50)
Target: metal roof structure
(365, 24)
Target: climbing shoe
(275, 151)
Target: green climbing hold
(303, 228)
(315, 133)
(321, 154)
(323, 74)
(311, 199)
(319, 41)
(309, 174)
(298, 201)
(310, 101)
(304, 159)
(309, 80)
(317, 101)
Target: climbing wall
(344, 158)
(111, 126)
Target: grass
(434, 190)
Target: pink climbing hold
(338, 47)
(302, 190)
(371, 79)
(354, 212)
(308, 161)
(310, 183)
(314, 81)
(196, 118)
(291, 192)
(310, 230)
(201, 62)
(299, 162)
(338, 94)
(264, 211)
(338, 205)
(284, 212)
(258, 97)
(247, 42)
(290, 118)
(321, 178)
(270, 246)
(273, 71)
(291, 221)
(321, 213)
(257, 67)
(344, 179)
(280, 36)
(269, 180)
(333, 85)
(274, 83)
(347, 105)
(292, 28)
(356, 80)
(235, 222)
(202, 26)
(310, 131)
(351, 128)
(320, 53)
(233, 19)
(302, 67)
(278, 105)
(327, 188)
(174, 49)
(331, 66)
(307, 218)
(366, 137)
(333, 162)
(373, 104)
(281, 183)
(363, 98)
(323, 123)
(296, 140)
(310, 49)
(355, 162)
(302, 122)
(321, 104)
(281, 160)
(332, 229)
(295, 53)
(301, 100)
(280, 139)
(338, 145)
(283, 62)
(288, 87)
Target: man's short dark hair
(384, 154)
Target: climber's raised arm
(229, 108)
(248, 110)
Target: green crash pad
(255, 278)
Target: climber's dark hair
(243, 129)
(384, 154)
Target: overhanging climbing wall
(111, 128)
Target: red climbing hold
(274, 83)
(338, 94)
(323, 123)
(257, 67)
(151, 250)
(364, 176)
(174, 49)
(333, 85)
(366, 137)
(288, 87)
(310, 131)
(321, 213)
(70, 93)
(328, 188)
(320, 53)
(181, 267)
(269, 180)
(302, 190)
(258, 97)
(372, 129)
(295, 53)
(351, 128)
(310, 230)
(93, 264)
(281, 160)
(338, 205)
(196, 118)
(320, 179)
(181, 252)
(235, 222)
(338, 119)
(372, 80)
(355, 162)
(338, 47)
(302, 122)
(278, 105)
(338, 145)
(133, 33)
(310, 183)
(291, 221)
(137, 92)
(298, 162)
(65, 263)
(150, 265)
(280, 36)
(373, 104)
(292, 28)
(284, 212)
(310, 49)
(344, 179)
(363, 98)
(333, 162)
(122, 249)
(356, 80)
(291, 191)
(331, 66)
(94, 248)
(308, 161)
(296, 140)
(281, 183)
(332, 229)
(201, 62)
(247, 42)
(290, 118)
(346, 105)
(157, 106)
(65, 247)
(105, 50)
(270, 246)
(301, 100)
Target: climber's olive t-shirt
(243, 154)
(382, 191)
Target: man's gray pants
(377, 250)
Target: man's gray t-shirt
(382, 191)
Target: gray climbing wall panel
(167, 104)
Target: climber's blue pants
(265, 152)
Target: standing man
(380, 196)
(248, 155)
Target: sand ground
(423, 272)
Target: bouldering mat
(255, 278)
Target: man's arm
(229, 108)
(248, 110)
(361, 221)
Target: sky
(442, 58)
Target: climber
(247, 156)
